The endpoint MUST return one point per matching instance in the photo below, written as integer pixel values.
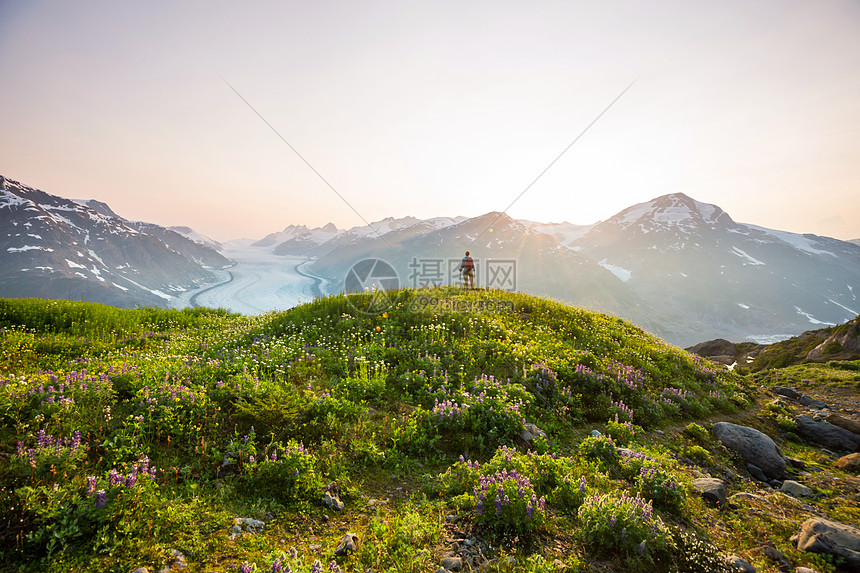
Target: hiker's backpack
(468, 265)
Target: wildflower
(641, 548)
(333, 567)
(245, 567)
(317, 567)
(101, 498)
(498, 504)
(529, 510)
(276, 566)
(91, 485)
(252, 460)
(582, 484)
(542, 503)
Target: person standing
(467, 268)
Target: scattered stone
(811, 402)
(789, 393)
(846, 423)
(753, 445)
(452, 518)
(746, 496)
(347, 545)
(442, 570)
(246, 525)
(795, 463)
(373, 502)
(818, 535)
(849, 463)
(775, 483)
(756, 473)
(595, 434)
(141, 570)
(739, 564)
(451, 563)
(712, 489)
(176, 564)
(826, 434)
(314, 547)
(783, 562)
(805, 570)
(796, 489)
(331, 497)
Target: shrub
(622, 433)
(698, 433)
(600, 448)
(625, 525)
(506, 504)
(698, 453)
(661, 487)
(286, 474)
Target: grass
(128, 433)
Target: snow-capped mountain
(52, 247)
(740, 280)
(198, 238)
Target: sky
(434, 108)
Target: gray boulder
(712, 489)
(826, 434)
(818, 535)
(738, 564)
(795, 489)
(789, 393)
(331, 497)
(756, 472)
(530, 432)
(754, 446)
(811, 402)
(452, 562)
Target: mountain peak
(668, 211)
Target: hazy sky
(434, 108)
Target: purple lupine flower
(317, 567)
(152, 473)
(131, 480)
(498, 504)
(252, 460)
(333, 567)
(276, 566)
(101, 498)
(245, 567)
(612, 521)
(582, 484)
(624, 534)
(529, 510)
(542, 503)
(641, 548)
(91, 485)
(293, 553)
(480, 506)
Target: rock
(452, 518)
(332, 501)
(441, 570)
(783, 562)
(746, 496)
(795, 489)
(246, 525)
(595, 434)
(754, 446)
(141, 570)
(795, 463)
(849, 463)
(712, 489)
(789, 393)
(176, 564)
(530, 432)
(756, 473)
(818, 535)
(846, 423)
(775, 483)
(739, 564)
(812, 402)
(347, 545)
(826, 434)
(451, 563)
(805, 570)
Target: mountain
(680, 268)
(52, 247)
(735, 279)
(198, 238)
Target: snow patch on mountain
(802, 242)
(744, 255)
(619, 272)
(811, 318)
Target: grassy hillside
(127, 434)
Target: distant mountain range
(682, 269)
(57, 248)
(678, 267)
